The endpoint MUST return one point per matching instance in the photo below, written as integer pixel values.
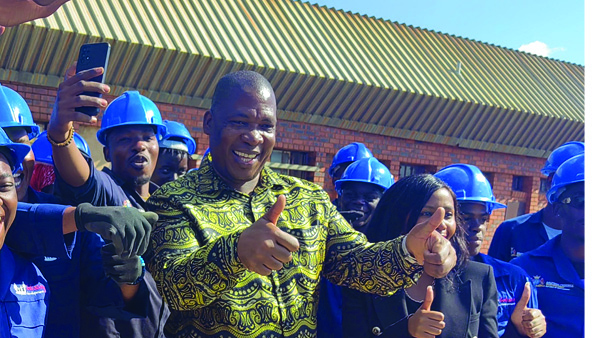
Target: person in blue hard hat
(360, 188)
(558, 266)
(460, 304)
(43, 176)
(17, 122)
(518, 315)
(345, 156)
(130, 130)
(176, 148)
(527, 232)
(45, 234)
(24, 292)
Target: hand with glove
(127, 228)
(122, 270)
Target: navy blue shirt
(72, 270)
(509, 280)
(329, 311)
(518, 235)
(560, 290)
(24, 297)
(103, 188)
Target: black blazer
(469, 307)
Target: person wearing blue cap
(526, 232)
(24, 292)
(558, 266)
(518, 315)
(363, 183)
(43, 176)
(176, 148)
(130, 130)
(344, 157)
(17, 122)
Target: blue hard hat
(177, 134)
(42, 148)
(350, 153)
(14, 112)
(560, 155)
(469, 185)
(131, 108)
(17, 151)
(569, 172)
(366, 170)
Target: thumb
(425, 229)
(71, 71)
(524, 299)
(151, 217)
(428, 299)
(275, 211)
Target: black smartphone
(93, 55)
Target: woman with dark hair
(462, 304)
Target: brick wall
(323, 142)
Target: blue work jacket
(24, 297)
(518, 235)
(560, 290)
(509, 280)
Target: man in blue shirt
(24, 292)
(557, 267)
(524, 233)
(518, 315)
(130, 129)
(360, 188)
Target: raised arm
(68, 160)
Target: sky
(550, 28)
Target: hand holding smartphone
(91, 56)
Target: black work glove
(127, 228)
(351, 215)
(121, 270)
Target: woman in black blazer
(462, 304)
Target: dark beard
(141, 180)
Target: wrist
(406, 254)
(59, 132)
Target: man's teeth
(245, 156)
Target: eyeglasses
(577, 201)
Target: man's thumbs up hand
(431, 249)
(528, 322)
(263, 247)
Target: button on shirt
(560, 290)
(24, 297)
(212, 294)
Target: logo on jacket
(540, 282)
(28, 290)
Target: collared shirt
(24, 296)
(518, 235)
(104, 188)
(212, 294)
(510, 280)
(560, 290)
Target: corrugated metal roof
(327, 67)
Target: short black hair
(229, 85)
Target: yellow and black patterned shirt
(210, 292)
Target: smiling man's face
(23, 176)
(242, 135)
(133, 151)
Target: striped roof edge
(327, 67)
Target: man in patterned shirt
(239, 250)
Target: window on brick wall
(294, 163)
(544, 186)
(413, 169)
(489, 177)
(518, 183)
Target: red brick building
(420, 100)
